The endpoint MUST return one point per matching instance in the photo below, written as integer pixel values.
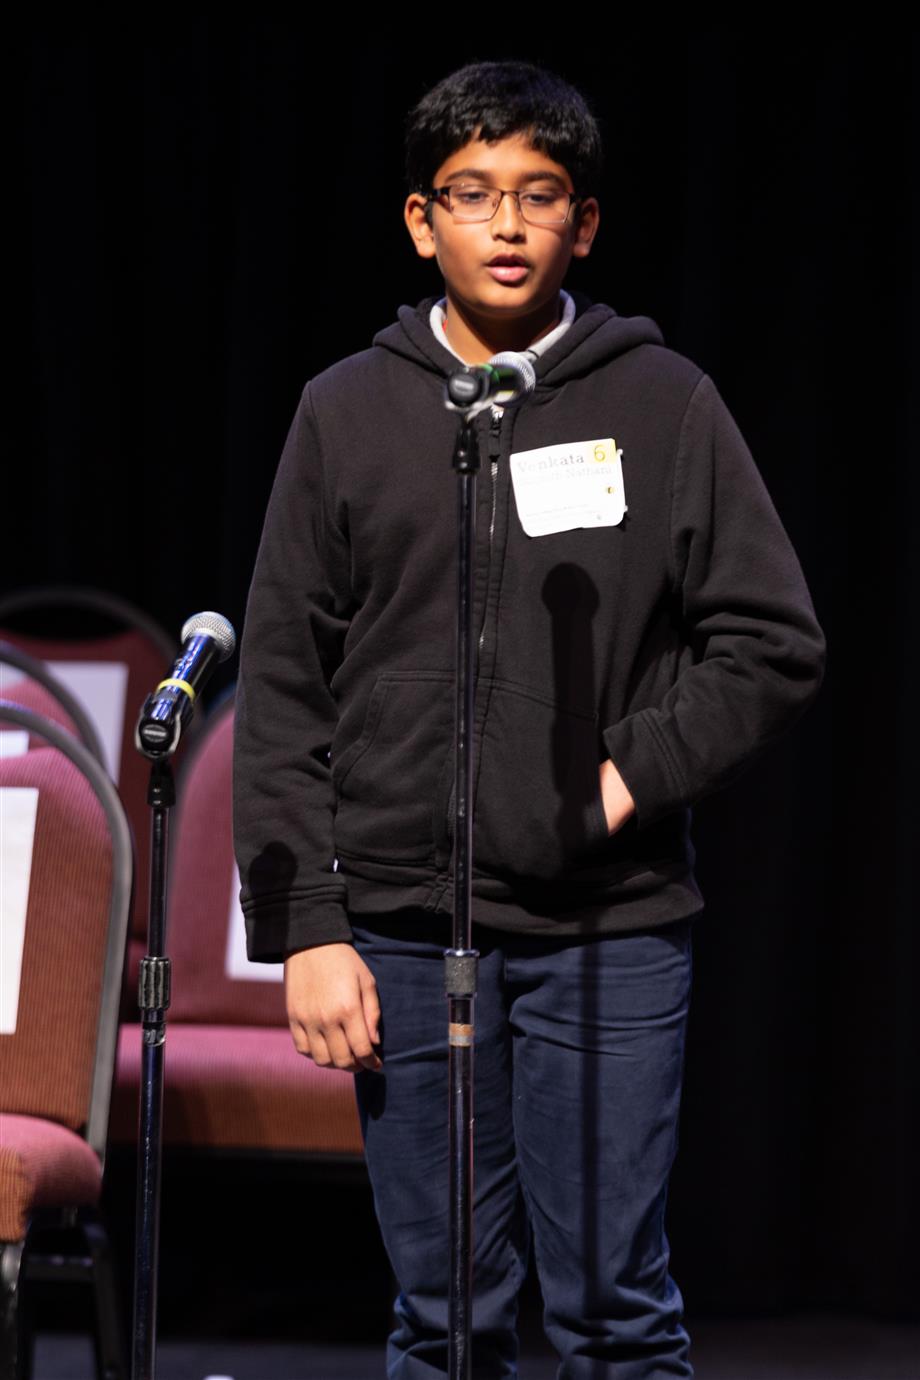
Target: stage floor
(812, 1347)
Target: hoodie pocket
(538, 809)
(386, 779)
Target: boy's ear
(589, 215)
(418, 216)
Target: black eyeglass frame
(437, 192)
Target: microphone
(502, 381)
(207, 638)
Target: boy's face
(504, 268)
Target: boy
(634, 654)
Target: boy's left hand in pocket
(617, 801)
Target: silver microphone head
(216, 626)
(510, 359)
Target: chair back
(28, 682)
(111, 675)
(213, 981)
(67, 866)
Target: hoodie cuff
(280, 926)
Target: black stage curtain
(213, 214)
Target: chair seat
(42, 1164)
(242, 1088)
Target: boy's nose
(508, 221)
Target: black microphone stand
(470, 390)
(208, 639)
(153, 1000)
(460, 961)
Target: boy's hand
(332, 1007)
(618, 803)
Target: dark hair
(495, 100)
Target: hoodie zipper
(495, 443)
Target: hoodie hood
(596, 335)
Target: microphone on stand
(208, 639)
(503, 380)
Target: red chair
(67, 866)
(112, 673)
(233, 1079)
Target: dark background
(213, 214)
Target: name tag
(576, 484)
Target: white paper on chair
(18, 808)
(9, 676)
(14, 742)
(101, 687)
(237, 964)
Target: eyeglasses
(473, 201)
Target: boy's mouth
(508, 268)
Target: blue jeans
(578, 1068)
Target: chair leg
(111, 1357)
(12, 1341)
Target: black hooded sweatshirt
(679, 642)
